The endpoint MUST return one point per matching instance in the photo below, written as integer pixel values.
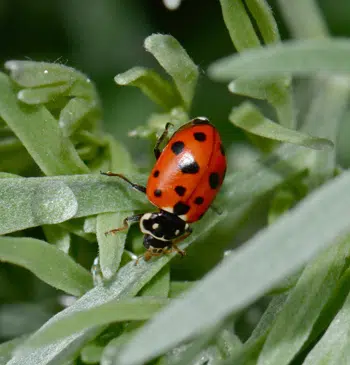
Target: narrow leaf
(151, 84)
(334, 346)
(34, 74)
(240, 27)
(325, 113)
(112, 349)
(304, 18)
(91, 354)
(243, 273)
(313, 290)
(111, 246)
(135, 309)
(248, 353)
(31, 74)
(249, 118)
(41, 95)
(50, 200)
(282, 201)
(176, 62)
(21, 318)
(74, 113)
(295, 57)
(159, 285)
(34, 204)
(7, 349)
(129, 280)
(39, 132)
(265, 21)
(57, 236)
(276, 91)
(57, 269)
(120, 158)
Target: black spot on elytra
(199, 136)
(157, 193)
(156, 173)
(214, 180)
(222, 149)
(199, 200)
(180, 190)
(180, 208)
(199, 121)
(189, 168)
(177, 147)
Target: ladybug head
(162, 226)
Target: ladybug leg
(148, 255)
(161, 139)
(135, 186)
(127, 221)
(174, 246)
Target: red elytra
(183, 183)
(189, 171)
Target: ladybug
(185, 179)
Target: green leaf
(128, 281)
(91, 354)
(176, 62)
(34, 203)
(249, 118)
(265, 21)
(17, 319)
(57, 269)
(75, 112)
(134, 309)
(248, 353)
(34, 74)
(282, 201)
(304, 18)
(243, 277)
(326, 111)
(57, 236)
(249, 87)
(90, 224)
(111, 351)
(41, 95)
(30, 74)
(240, 27)
(40, 134)
(195, 353)
(228, 342)
(304, 304)
(50, 200)
(296, 57)
(7, 349)
(120, 158)
(159, 285)
(276, 91)
(157, 121)
(263, 175)
(334, 346)
(178, 288)
(111, 246)
(161, 91)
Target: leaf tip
(322, 144)
(11, 65)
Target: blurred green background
(105, 37)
